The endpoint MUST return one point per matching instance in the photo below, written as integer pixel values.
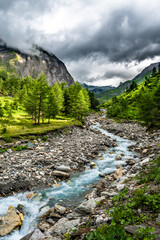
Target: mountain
(108, 94)
(97, 89)
(33, 64)
(146, 70)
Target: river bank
(72, 148)
(91, 213)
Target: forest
(39, 102)
(139, 102)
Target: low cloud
(100, 41)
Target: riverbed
(70, 192)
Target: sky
(102, 42)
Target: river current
(69, 193)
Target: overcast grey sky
(102, 42)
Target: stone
(63, 168)
(144, 151)
(92, 165)
(108, 194)
(54, 215)
(37, 235)
(60, 209)
(9, 150)
(44, 226)
(144, 162)
(118, 173)
(100, 219)
(30, 195)
(133, 228)
(63, 225)
(8, 145)
(12, 220)
(60, 174)
(87, 206)
(130, 162)
(158, 219)
(120, 187)
(119, 157)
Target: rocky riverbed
(63, 153)
(68, 152)
(90, 213)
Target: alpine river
(69, 192)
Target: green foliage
(140, 103)
(44, 138)
(8, 140)
(112, 232)
(153, 173)
(20, 148)
(145, 234)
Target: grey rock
(63, 168)
(60, 174)
(108, 194)
(63, 225)
(60, 209)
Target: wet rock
(119, 157)
(118, 173)
(60, 209)
(60, 174)
(92, 165)
(13, 219)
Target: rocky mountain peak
(33, 64)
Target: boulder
(108, 194)
(60, 209)
(92, 165)
(63, 168)
(12, 220)
(119, 157)
(118, 173)
(37, 235)
(63, 225)
(87, 206)
(120, 187)
(60, 174)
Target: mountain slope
(107, 95)
(26, 64)
(97, 89)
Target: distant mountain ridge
(146, 70)
(108, 94)
(97, 89)
(28, 64)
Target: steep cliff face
(26, 64)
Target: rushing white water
(69, 192)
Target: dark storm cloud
(89, 35)
(136, 41)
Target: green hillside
(107, 95)
(140, 102)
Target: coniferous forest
(139, 102)
(36, 100)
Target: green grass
(107, 95)
(21, 124)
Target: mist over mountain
(39, 60)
